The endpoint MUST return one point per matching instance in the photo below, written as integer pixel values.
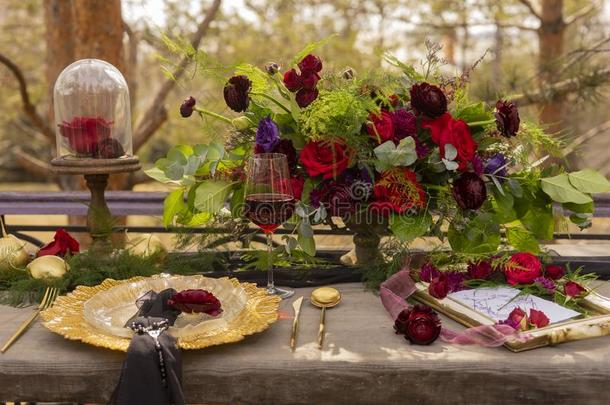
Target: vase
(368, 231)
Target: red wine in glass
(268, 210)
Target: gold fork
(47, 300)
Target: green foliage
(408, 227)
(478, 235)
(561, 189)
(522, 239)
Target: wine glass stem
(270, 283)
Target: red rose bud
(574, 290)
(110, 149)
(554, 271)
(310, 64)
(187, 107)
(522, 268)
(439, 288)
(62, 245)
(305, 97)
(507, 118)
(310, 81)
(469, 191)
(293, 80)
(480, 270)
(538, 318)
(423, 325)
(325, 158)
(428, 99)
(196, 301)
(236, 93)
(381, 128)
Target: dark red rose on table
(85, 133)
(397, 189)
(554, 271)
(381, 128)
(428, 99)
(236, 93)
(61, 245)
(469, 191)
(196, 301)
(420, 325)
(479, 270)
(507, 118)
(325, 158)
(293, 80)
(310, 64)
(446, 130)
(574, 290)
(522, 268)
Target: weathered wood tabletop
(363, 362)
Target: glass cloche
(92, 113)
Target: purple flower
(477, 164)
(496, 165)
(267, 134)
(546, 283)
(428, 272)
(454, 280)
(421, 149)
(404, 123)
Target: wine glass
(269, 202)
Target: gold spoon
(324, 297)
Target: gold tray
(67, 316)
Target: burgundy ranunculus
(428, 272)
(196, 301)
(62, 245)
(538, 318)
(507, 118)
(310, 81)
(522, 268)
(428, 99)
(469, 191)
(572, 289)
(305, 97)
(110, 148)
(187, 106)
(420, 325)
(479, 270)
(293, 80)
(405, 124)
(85, 133)
(381, 128)
(554, 271)
(310, 64)
(236, 93)
(439, 287)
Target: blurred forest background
(552, 55)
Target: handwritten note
(496, 303)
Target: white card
(496, 303)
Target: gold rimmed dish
(96, 315)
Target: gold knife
(295, 323)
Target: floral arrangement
(408, 150)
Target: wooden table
(363, 362)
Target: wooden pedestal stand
(96, 171)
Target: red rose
(445, 130)
(439, 287)
(517, 319)
(538, 318)
(480, 270)
(198, 301)
(399, 190)
(325, 158)
(522, 268)
(62, 244)
(422, 326)
(305, 97)
(310, 64)
(572, 289)
(293, 80)
(84, 133)
(310, 80)
(297, 183)
(381, 128)
(554, 271)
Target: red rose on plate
(84, 133)
(479, 270)
(572, 289)
(62, 244)
(381, 128)
(538, 318)
(554, 271)
(325, 158)
(446, 130)
(196, 301)
(420, 325)
(522, 268)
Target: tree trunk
(551, 39)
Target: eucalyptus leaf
(540, 222)
(307, 244)
(561, 190)
(450, 152)
(305, 229)
(450, 165)
(389, 155)
(515, 187)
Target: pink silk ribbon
(396, 289)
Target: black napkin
(152, 371)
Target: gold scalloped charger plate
(96, 315)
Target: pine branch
(28, 107)
(531, 8)
(156, 114)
